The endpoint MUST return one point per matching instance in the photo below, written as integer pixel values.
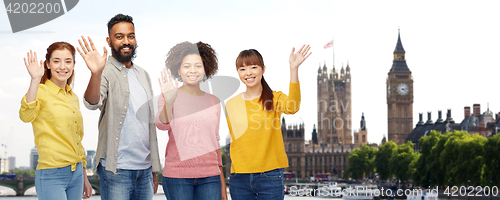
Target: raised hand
(94, 61)
(168, 87)
(36, 71)
(297, 58)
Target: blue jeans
(125, 184)
(59, 183)
(208, 188)
(265, 185)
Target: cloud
(4, 95)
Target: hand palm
(36, 71)
(297, 58)
(168, 86)
(169, 91)
(94, 61)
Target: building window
(298, 134)
(364, 138)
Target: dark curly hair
(119, 18)
(181, 50)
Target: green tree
(463, 157)
(422, 173)
(361, 161)
(412, 168)
(382, 158)
(492, 161)
(435, 167)
(23, 173)
(355, 165)
(400, 161)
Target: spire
(399, 63)
(363, 122)
(314, 135)
(348, 68)
(399, 46)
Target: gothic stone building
(399, 97)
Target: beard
(123, 58)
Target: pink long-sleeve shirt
(193, 149)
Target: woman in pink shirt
(193, 164)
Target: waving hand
(36, 71)
(297, 58)
(168, 86)
(94, 61)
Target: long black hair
(253, 57)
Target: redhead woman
(54, 112)
(257, 150)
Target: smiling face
(250, 67)
(191, 70)
(61, 65)
(251, 75)
(122, 41)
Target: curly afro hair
(181, 50)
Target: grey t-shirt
(133, 145)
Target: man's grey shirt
(113, 104)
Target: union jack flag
(328, 45)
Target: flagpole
(333, 52)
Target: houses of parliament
(333, 138)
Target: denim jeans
(59, 183)
(265, 185)
(208, 188)
(125, 184)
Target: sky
(451, 48)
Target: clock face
(348, 80)
(403, 89)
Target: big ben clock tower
(399, 97)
